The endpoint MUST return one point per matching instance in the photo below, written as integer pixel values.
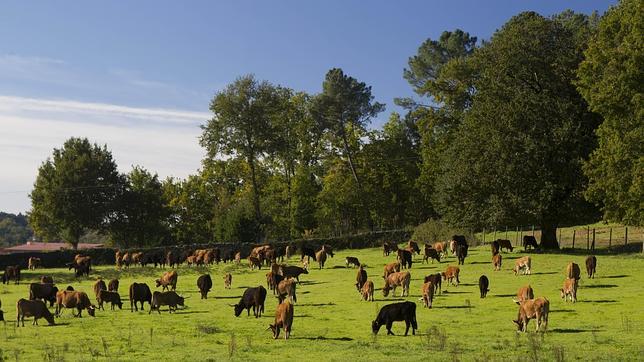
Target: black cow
(404, 256)
(437, 280)
(495, 247)
(484, 283)
(308, 252)
(139, 292)
(252, 298)
(46, 292)
(404, 311)
(11, 272)
(292, 271)
(591, 265)
(461, 253)
(529, 241)
(204, 283)
(169, 298)
(361, 278)
(351, 260)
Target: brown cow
(228, 280)
(118, 258)
(591, 265)
(450, 274)
(440, 247)
(113, 285)
(126, 259)
(283, 319)
(139, 292)
(428, 294)
(569, 289)
(33, 263)
(413, 247)
(524, 293)
(391, 268)
(388, 247)
(237, 258)
(361, 278)
(452, 246)
(11, 272)
(286, 289)
(392, 281)
(292, 271)
(573, 271)
(74, 299)
(98, 286)
(366, 293)
(533, 309)
(167, 280)
(33, 308)
(497, 259)
(105, 296)
(320, 257)
(254, 262)
(505, 244)
(290, 251)
(431, 253)
(495, 247)
(524, 263)
(437, 281)
(136, 258)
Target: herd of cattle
(282, 280)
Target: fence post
(506, 233)
(610, 237)
(625, 235)
(483, 235)
(532, 230)
(574, 232)
(593, 245)
(516, 237)
(560, 240)
(494, 233)
(520, 236)
(587, 237)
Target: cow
(307, 252)
(591, 264)
(391, 268)
(573, 271)
(437, 281)
(33, 308)
(254, 262)
(286, 288)
(461, 253)
(126, 259)
(136, 258)
(172, 258)
(228, 280)
(529, 241)
(252, 298)
(361, 278)
(404, 311)
(169, 298)
(533, 309)
(113, 285)
(98, 286)
(11, 273)
(440, 247)
(431, 253)
(204, 283)
(33, 263)
(105, 296)
(168, 280)
(427, 291)
(118, 259)
(46, 279)
(505, 244)
(450, 274)
(139, 292)
(524, 263)
(290, 251)
(283, 319)
(497, 259)
(81, 265)
(459, 239)
(404, 257)
(45, 292)
(366, 292)
(413, 247)
(524, 293)
(495, 247)
(328, 249)
(292, 271)
(484, 283)
(388, 247)
(74, 299)
(353, 261)
(320, 257)
(69, 288)
(237, 258)
(569, 290)
(397, 279)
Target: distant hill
(14, 229)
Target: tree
(14, 229)
(74, 191)
(611, 79)
(517, 156)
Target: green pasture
(331, 323)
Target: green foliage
(432, 231)
(14, 229)
(611, 79)
(305, 191)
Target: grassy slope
(332, 324)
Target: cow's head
(375, 327)
(563, 293)
(385, 290)
(238, 309)
(91, 310)
(158, 281)
(519, 324)
(444, 275)
(49, 317)
(69, 288)
(119, 304)
(274, 330)
(2, 316)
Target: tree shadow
(573, 330)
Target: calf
(452, 246)
(228, 280)
(45, 292)
(252, 298)
(524, 263)
(461, 253)
(113, 285)
(427, 292)
(533, 309)
(353, 261)
(292, 271)
(497, 259)
(168, 280)
(139, 292)
(366, 292)
(286, 289)
(11, 273)
(105, 296)
(169, 298)
(505, 244)
(495, 247)
(413, 247)
(74, 300)
(320, 257)
(431, 253)
(404, 257)
(204, 283)
(33, 263)
(391, 268)
(361, 278)
(436, 280)
(404, 311)
(283, 319)
(573, 271)
(569, 290)
(529, 241)
(450, 274)
(484, 283)
(524, 293)
(591, 264)
(32, 308)
(392, 281)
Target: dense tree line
(14, 229)
(522, 128)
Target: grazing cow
(118, 259)
(366, 292)
(81, 265)
(524, 293)
(98, 286)
(328, 249)
(252, 298)
(136, 258)
(591, 264)
(286, 288)
(290, 251)
(45, 292)
(392, 281)
(139, 292)
(505, 244)
(168, 280)
(204, 283)
(524, 263)
(573, 271)
(169, 298)
(450, 274)
(228, 280)
(283, 319)
(292, 271)
(497, 259)
(461, 253)
(529, 241)
(431, 253)
(495, 247)
(126, 259)
(361, 278)
(74, 299)
(436, 280)
(32, 308)
(320, 257)
(105, 296)
(391, 268)
(388, 247)
(254, 262)
(353, 261)
(33, 263)
(404, 257)
(413, 247)
(47, 279)
(440, 247)
(484, 283)
(569, 289)
(404, 311)
(113, 285)
(427, 291)
(273, 279)
(533, 309)
(11, 272)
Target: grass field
(331, 323)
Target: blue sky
(138, 75)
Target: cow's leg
(388, 326)
(406, 326)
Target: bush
(432, 231)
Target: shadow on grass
(233, 297)
(572, 330)
(389, 300)
(480, 262)
(599, 286)
(448, 292)
(598, 301)
(316, 304)
(308, 282)
(468, 284)
(504, 295)
(563, 311)
(452, 306)
(544, 273)
(320, 338)
(616, 276)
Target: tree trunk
(549, 236)
(258, 213)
